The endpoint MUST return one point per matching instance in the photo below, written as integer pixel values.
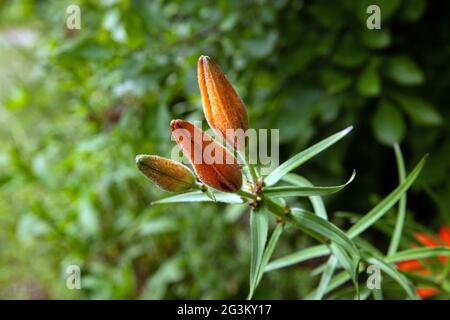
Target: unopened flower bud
(167, 174)
(214, 165)
(223, 108)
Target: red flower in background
(417, 266)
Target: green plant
(75, 104)
(345, 249)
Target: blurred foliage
(76, 106)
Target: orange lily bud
(222, 106)
(214, 165)
(167, 174)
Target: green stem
(247, 195)
(280, 211)
(251, 168)
(397, 235)
(253, 172)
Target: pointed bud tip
(203, 58)
(139, 158)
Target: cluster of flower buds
(214, 165)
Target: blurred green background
(76, 106)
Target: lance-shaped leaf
(338, 280)
(395, 275)
(298, 257)
(304, 156)
(305, 191)
(306, 220)
(381, 208)
(199, 196)
(418, 253)
(316, 201)
(276, 234)
(259, 226)
(364, 223)
(326, 278)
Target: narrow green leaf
(304, 156)
(320, 210)
(349, 263)
(365, 222)
(307, 220)
(316, 201)
(395, 275)
(298, 191)
(375, 257)
(381, 208)
(326, 278)
(269, 251)
(199, 196)
(396, 236)
(342, 247)
(418, 253)
(298, 257)
(259, 226)
(319, 269)
(365, 245)
(338, 280)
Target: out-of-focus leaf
(404, 71)
(420, 111)
(348, 53)
(260, 47)
(335, 81)
(388, 124)
(375, 39)
(369, 83)
(88, 217)
(412, 10)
